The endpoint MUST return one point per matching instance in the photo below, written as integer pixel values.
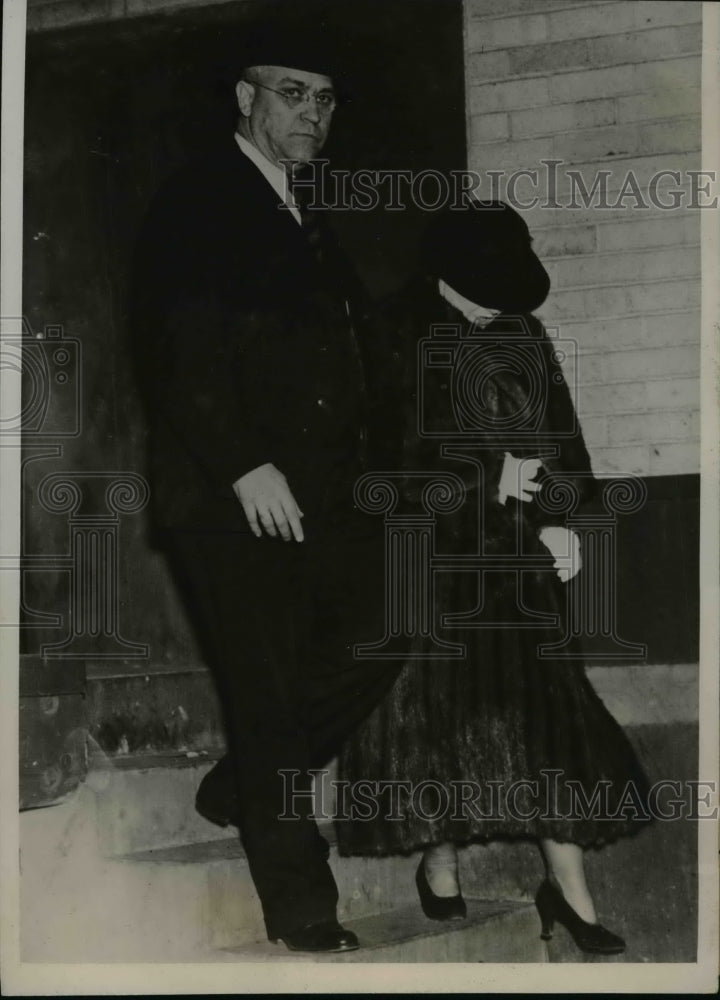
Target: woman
(504, 715)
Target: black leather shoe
(438, 907)
(592, 938)
(328, 936)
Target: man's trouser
(280, 620)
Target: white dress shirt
(273, 174)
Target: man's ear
(245, 93)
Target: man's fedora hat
(312, 50)
(484, 252)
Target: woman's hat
(484, 251)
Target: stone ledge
(640, 694)
(495, 931)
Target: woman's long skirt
(508, 741)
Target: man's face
(281, 132)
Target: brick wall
(601, 86)
(605, 86)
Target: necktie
(313, 227)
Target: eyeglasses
(325, 101)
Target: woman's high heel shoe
(438, 907)
(593, 938)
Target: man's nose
(310, 111)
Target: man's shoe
(326, 936)
(216, 800)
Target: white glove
(516, 479)
(564, 546)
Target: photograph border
(24, 979)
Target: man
(252, 360)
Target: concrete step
(494, 931)
(214, 876)
(159, 708)
(148, 802)
(153, 708)
(145, 814)
(81, 902)
(212, 880)
(197, 903)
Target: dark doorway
(111, 110)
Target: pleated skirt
(508, 741)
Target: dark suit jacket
(245, 350)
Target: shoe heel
(547, 927)
(546, 914)
(547, 922)
(592, 938)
